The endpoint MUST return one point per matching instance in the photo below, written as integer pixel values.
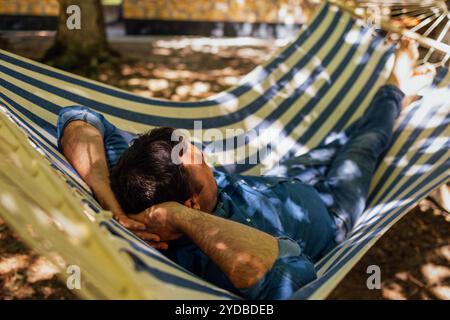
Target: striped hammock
(311, 89)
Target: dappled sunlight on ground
(187, 73)
(23, 274)
(414, 257)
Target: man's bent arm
(243, 253)
(83, 146)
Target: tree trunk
(80, 50)
(3, 42)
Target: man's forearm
(83, 147)
(243, 253)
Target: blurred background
(196, 17)
(187, 50)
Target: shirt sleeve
(116, 141)
(291, 271)
(73, 113)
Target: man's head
(147, 175)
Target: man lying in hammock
(256, 236)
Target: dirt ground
(414, 255)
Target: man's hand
(162, 219)
(140, 230)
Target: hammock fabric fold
(311, 90)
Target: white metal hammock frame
(426, 21)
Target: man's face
(201, 178)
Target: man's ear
(192, 203)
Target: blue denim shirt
(283, 207)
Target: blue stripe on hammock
(32, 131)
(441, 73)
(154, 120)
(48, 127)
(167, 277)
(435, 157)
(162, 275)
(298, 92)
(411, 180)
(394, 140)
(236, 92)
(407, 143)
(310, 106)
(343, 92)
(439, 129)
(116, 228)
(411, 139)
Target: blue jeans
(341, 169)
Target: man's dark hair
(145, 174)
